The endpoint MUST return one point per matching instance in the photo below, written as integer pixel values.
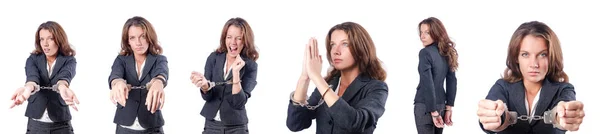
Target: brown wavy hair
(149, 33)
(362, 49)
(249, 49)
(538, 29)
(60, 39)
(445, 45)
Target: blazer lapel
(219, 67)
(150, 59)
(357, 84)
(60, 60)
(517, 97)
(547, 93)
(43, 67)
(130, 68)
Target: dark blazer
(232, 107)
(356, 112)
(124, 67)
(433, 69)
(36, 71)
(513, 94)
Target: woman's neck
(230, 58)
(51, 58)
(532, 87)
(349, 75)
(140, 57)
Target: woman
(49, 69)
(354, 90)
(139, 75)
(229, 78)
(437, 62)
(535, 95)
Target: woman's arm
(360, 116)
(246, 85)
(206, 92)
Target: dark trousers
(122, 130)
(37, 127)
(217, 127)
(424, 121)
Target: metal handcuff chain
(306, 104)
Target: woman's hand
(437, 119)
(20, 96)
(490, 113)
(119, 92)
(569, 115)
(68, 96)
(199, 80)
(155, 96)
(238, 64)
(314, 63)
(448, 116)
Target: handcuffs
(549, 117)
(305, 103)
(37, 88)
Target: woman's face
(233, 40)
(533, 58)
(137, 40)
(424, 31)
(340, 52)
(47, 43)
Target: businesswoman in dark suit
(229, 78)
(437, 61)
(535, 95)
(354, 91)
(139, 75)
(49, 69)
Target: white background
(189, 32)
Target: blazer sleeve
(426, 80)
(118, 71)
(450, 87)
(67, 72)
(300, 118)
(161, 68)
(365, 113)
(248, 82)
(31, 70)
(567, 93)
(208, 68)
(498, 92)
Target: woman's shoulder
(561, 85)
(375, 84)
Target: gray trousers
(424, 121)
(37, 127)
(217, 127)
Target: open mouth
(233, 48)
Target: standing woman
(437, 61)
(535, 95)
(354, 91)
(139, 75)
(229, 78)
(49, 69)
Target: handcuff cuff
(305, 103)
